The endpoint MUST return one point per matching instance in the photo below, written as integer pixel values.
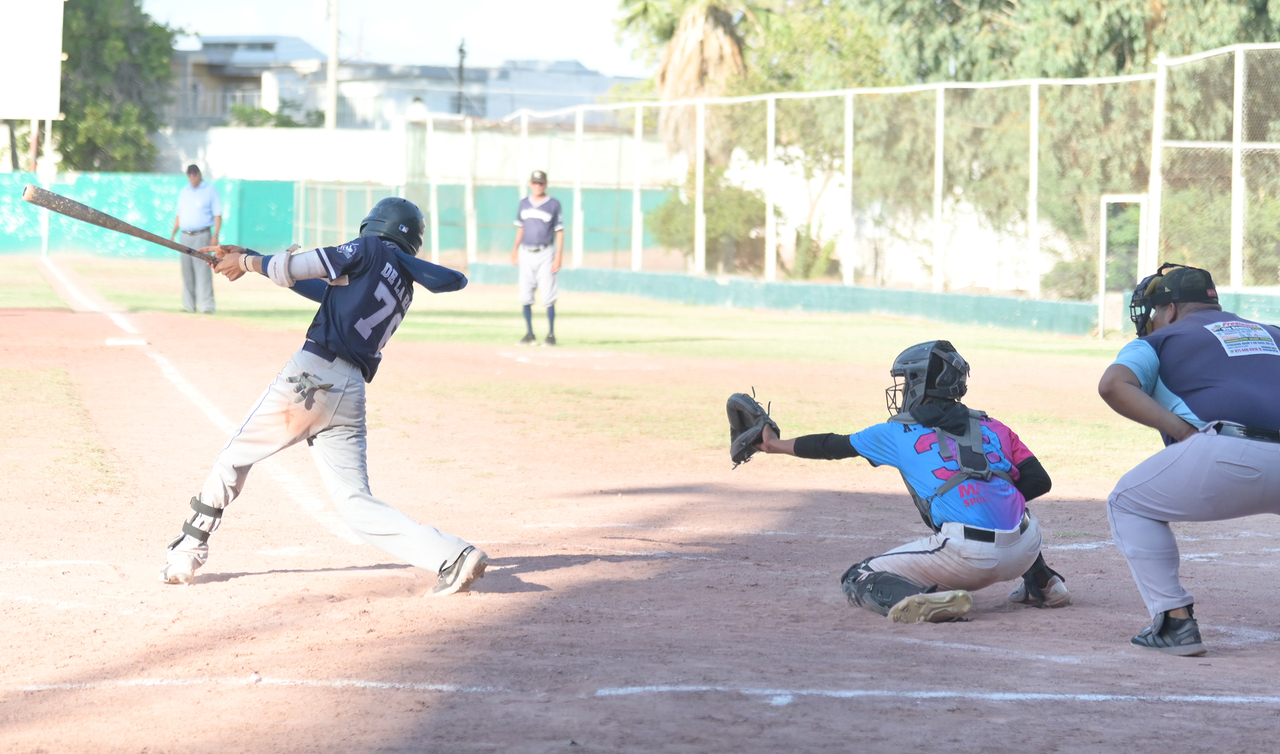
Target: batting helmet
(933, 369)
(1172, 284)
(397, 220)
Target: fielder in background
(1207, 380)
(364, 287)
(200, 220)
(969, 476)
(541, 227)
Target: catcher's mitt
(747, 420)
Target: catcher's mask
(1172, 284)
(933, 369)
(398, 221)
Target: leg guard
(202, 523)
(879, 591)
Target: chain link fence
(1053, 189)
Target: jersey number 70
(366, 326)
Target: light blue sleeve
(876, 444)
(1140, 358)
(215, 202)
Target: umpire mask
(933, 369)
(1172, 284)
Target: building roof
(257, 52)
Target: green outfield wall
(255, 213)
(1049, 316)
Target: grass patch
(24, 287)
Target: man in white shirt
(200, 220)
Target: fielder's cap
(193, 169)
(538, 177)
(1182, 285)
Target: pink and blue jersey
(913, 450)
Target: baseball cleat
(1054, 594)
(528, 340)
(181, 568)
(938, 607)
(550, 340)
(458, 577)
(1173, 636)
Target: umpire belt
(1001, 537)
(1248, 433)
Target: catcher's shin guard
(202, 523)
(879, 591)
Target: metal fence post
(939, 253)
(433, 196)
(1237, 174)
(699, 189)
(469, 198)
(1102, 267)
(637, 218)
(522, 181)
(579, 223)
(770, 225)
(1033, 193)
(1151, 254)
(846, 243)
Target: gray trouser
(1203, 478)
(332, 422)
(953, 562)
(197, 277)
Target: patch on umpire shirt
(1244, 338)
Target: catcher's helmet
(933, 369)
(397, 220)
(1172, 284)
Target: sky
(423, 32)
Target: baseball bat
(64, 206)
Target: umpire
(1206, 379)
(200, 220)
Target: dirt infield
(642, 596)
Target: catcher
(969, 475)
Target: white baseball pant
(536, 274)
(332, 422)
(1206, 477)
(953, 562)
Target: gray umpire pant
(332, 422)
(1206, 477)
(197, 277)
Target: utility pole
(331, 83)
(462, 55)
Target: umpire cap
(1182, 285)
(397, 220)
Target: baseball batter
(541, 229)
(364, 287)
(1206, 380)
(970, 477)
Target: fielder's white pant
(535, 274)
(953, 562)
(333, 423)
(1206, 477)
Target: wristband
(244, 263)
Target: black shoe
(1174, 636)
(550, 340)
(467, 568)
(528, 340)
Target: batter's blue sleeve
(433, 277)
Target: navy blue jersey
(1210, 366)
(540, 223)
(356, 320)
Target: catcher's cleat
(528, 340)
(1174, 636)
(1054, 594)
(550, 340)
(936, 607)
(458, 577)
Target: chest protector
(972, 460)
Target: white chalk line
(776, 697)
(782, 697)
(1061, 659)
(705, 529)
(257, 680)
(63, 605)
(290, 482)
